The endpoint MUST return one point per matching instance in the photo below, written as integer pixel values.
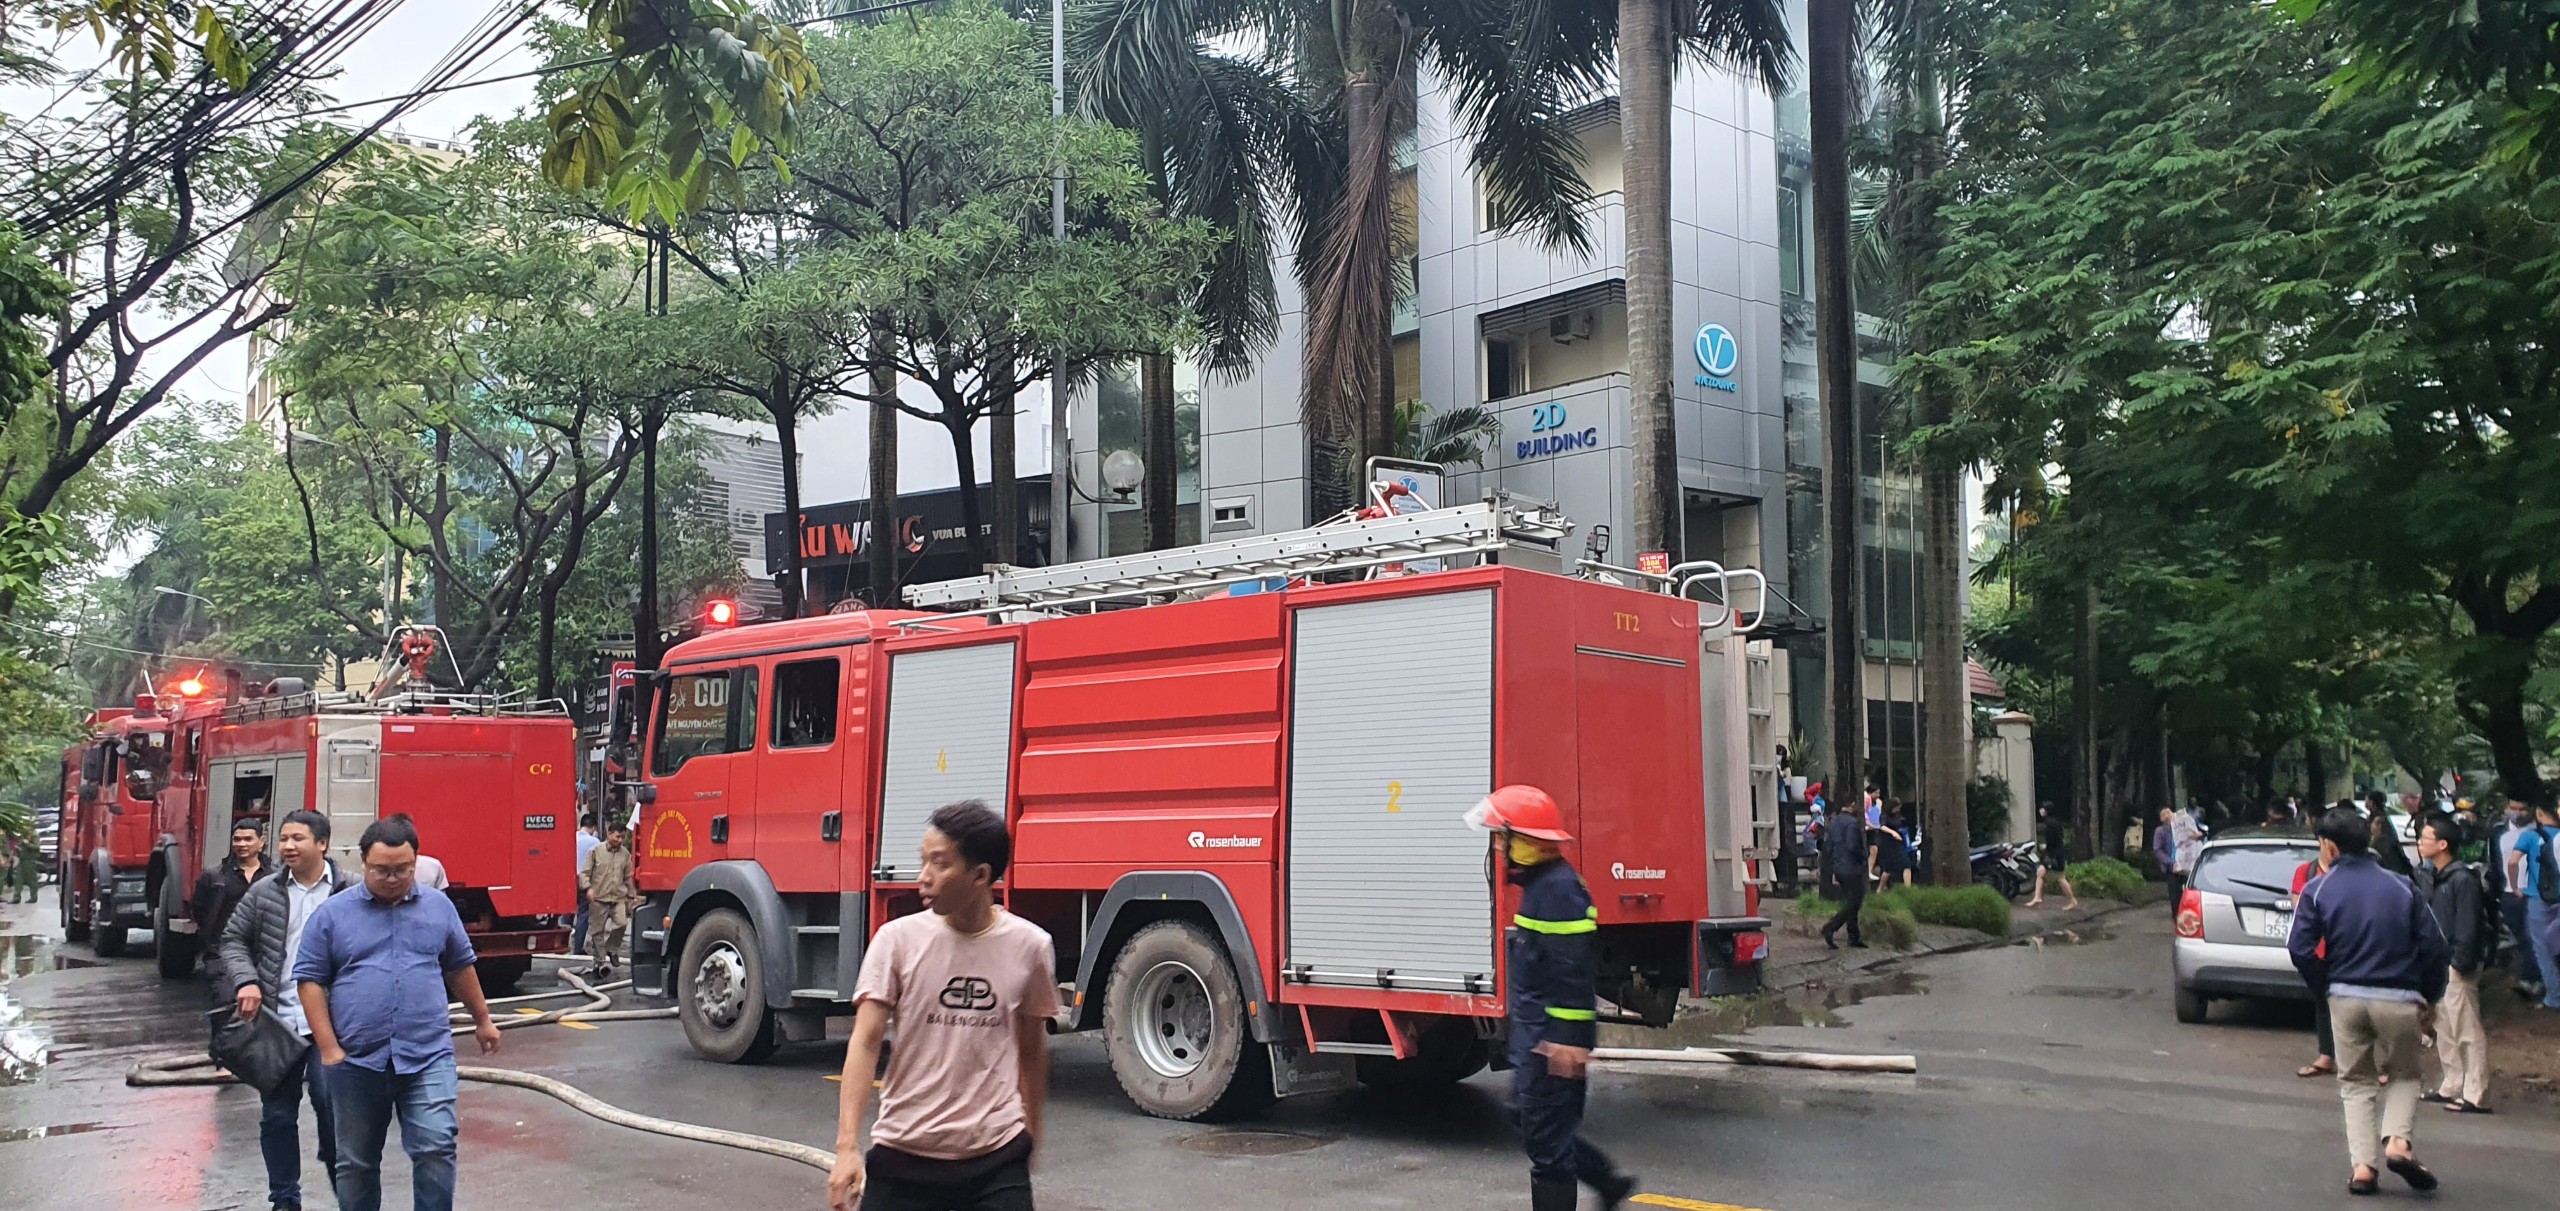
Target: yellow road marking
(577, 1025)
(1685, 1204)
(527, 1011)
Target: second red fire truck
(491, 786)
(1236, 794)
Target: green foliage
(693, 89)
(1882, 922)
(1986, 809)
(2106, 878)
(2506, 52)
(1457, 437)
(1973, 906)
(2270, 368)
(37, 722)
(31, 293)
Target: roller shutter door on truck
(1391, 741)
(950, 738)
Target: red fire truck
(1236, 794)
(110, 786)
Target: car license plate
(2275, 924)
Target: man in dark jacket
(2365, 939)
(259, 945)
(1553, 966)
(2452, 889)
(219, 889)
(1844, 873)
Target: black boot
(1553, 1196)
(1616, 1189)
(1828, 940)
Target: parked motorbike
(2010, 869)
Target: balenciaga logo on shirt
(968, 992)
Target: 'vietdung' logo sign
(1718, 355)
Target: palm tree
(1830, 47)
(1208, 123)
(1749, 35)
(1310, 120)
(1457, 437)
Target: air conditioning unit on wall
(1572, 327)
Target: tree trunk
(2315, 771)
(1004, 469)
(2496, 709)
(786, 430)
(886, 537)
(2084, 729)
(645, 649)
(1644, 99)
(1162, 453)
(1944, 693)
(546, 662)
(1831, 30)
(971, 508)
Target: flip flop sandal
(2363, 1185)
(2437, 1098)
(2312, 1070)
(2458, 1106)
(2412, 1172)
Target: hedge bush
(1882, 921)
(2105, 877)
(1975, 907)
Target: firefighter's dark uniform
(1554, 974)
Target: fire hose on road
(198, 1070)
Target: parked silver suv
(2233, 919)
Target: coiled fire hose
(199, 1070)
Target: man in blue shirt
(373, 973)
(2524, 878)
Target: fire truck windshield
(146, 764)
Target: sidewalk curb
(1810, 972)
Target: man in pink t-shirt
(971, 989)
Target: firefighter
(611, 895)
(1553, 964)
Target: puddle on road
(1813, 1005)
(11, 1134)
(23, 1047)
(26, 954)
(1249, 1143)
(2065, 937)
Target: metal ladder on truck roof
(1469, 529)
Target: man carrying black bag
(258, 949)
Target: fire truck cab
(1237, 795)
(111, 785)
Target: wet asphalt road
(2052, 1076)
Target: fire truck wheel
(1173, 1019)
(73, 928)
(720, 991)
(498, 976)
(107, 935)
(174, 952)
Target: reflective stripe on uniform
(1589, 924)
(1572, 1015)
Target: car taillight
(2191, 913)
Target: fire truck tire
(73, 928)
(173, 952)
(107, 936)
(1446, 1054)
(498, 976)
(1173, 1021)
(720, 991)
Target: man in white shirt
(258, 949)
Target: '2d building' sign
(1550, 434)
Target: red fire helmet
(1525, 810)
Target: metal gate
(1391, 741)
(950, 738)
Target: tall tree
(1831, 35)
(1653, 35)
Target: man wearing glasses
(374, 973)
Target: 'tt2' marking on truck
(1395, 796)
